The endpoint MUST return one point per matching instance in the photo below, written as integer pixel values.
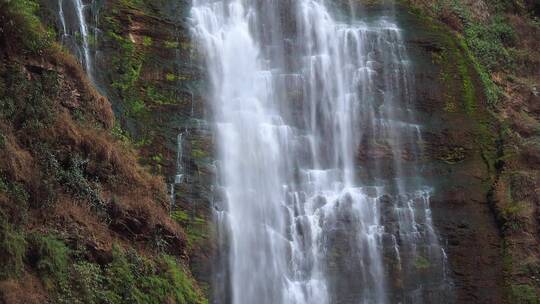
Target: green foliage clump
(127, 278)
(73, 176)
(147, 41)
(171, 44)
(422, 263)
(135, 279)
(19, 22)
(127, 66)
(12, 250)
(87, 283)
(51, 258)
(28, 102)
(524, 294)
(71, 173)
(489, 44)
(170, 77)
(196, 228)
(120, 133)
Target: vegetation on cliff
(81, 221)
(500, 38)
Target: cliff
(82, 219)
(107, 167)
(501, 40)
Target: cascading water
(319, 155)
(79, 6)
(76, 31)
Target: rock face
(143, 60)
(146, 63)
(458, 139)
(499, 39)
(81, 220)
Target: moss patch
(12, 250)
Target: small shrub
(73, 176)
(87, 282)
(147, 41)
(119, 278)
(170, 77)
(51, 258)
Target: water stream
(319, 156)
(76, 31)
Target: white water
(84, 36)
(62, 17)
(179, 176)
(79, 25)
(319, 155)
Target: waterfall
(62, 18)
(73, 15)
(319, 157)
(84, 36)
(179, 176)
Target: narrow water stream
(76, 31)
(320, 155)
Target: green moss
(12, 250)
(127, 65)
(156, 95)
(120, 279)
(131, 278)
(511, 216)
(147, 41)
(524, 294)
(128, 278)
(157, 162)
(171, 44)
(52, 261)
(422, 263)
(196, 228)
(198, 154)
(120, 133)
(456, 68)
(469, 94)
(178, 282)
(170, 77)
(491, 91)
(485, 45)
